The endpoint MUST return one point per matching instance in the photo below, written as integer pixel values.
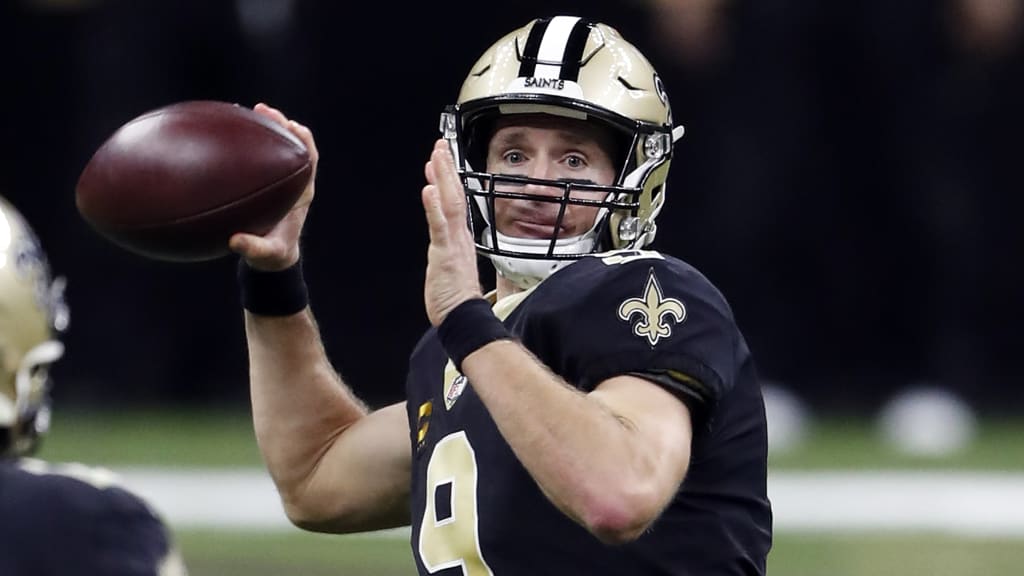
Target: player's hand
(451, 277)
(279, 248)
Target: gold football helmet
(32, 314)
(566, 66)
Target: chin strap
(527, 272)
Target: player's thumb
(259, 252)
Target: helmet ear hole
(622, 230)
(628, 229)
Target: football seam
(284, 134)
(263, 122)
(207, 212)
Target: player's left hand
(451, 277)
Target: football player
(58, 518)
(598, 412)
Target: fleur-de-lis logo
(655, 312)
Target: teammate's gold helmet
(32, 313)
(572, 67)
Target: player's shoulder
(99, 520)
(623, 274)
(73, 486)
(71, 474)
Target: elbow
(309, 525)
(311, 519)
(306, 517)
(336, 514)
(315, 511)
(618, 518)
(622, 509)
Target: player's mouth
(534, 226)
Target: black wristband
(279, 293)
(468, 327)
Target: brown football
(175, 183)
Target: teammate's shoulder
(96, 477)
(76, 485)
(99, 520)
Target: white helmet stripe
(553, 45)
(554, 48)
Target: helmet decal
(659, 88)
(554, 48)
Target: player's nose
(544, 170)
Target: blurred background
(850, 178)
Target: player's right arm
(337, 466)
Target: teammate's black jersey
(69, 519)
(475, 509)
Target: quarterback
(597, 412)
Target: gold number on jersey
(452, 540)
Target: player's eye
(514, 157)
(575, 161)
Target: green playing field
(218, 439)
(224, 438)
(281, 554)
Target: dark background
(849, 178)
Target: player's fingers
(272, 113)
(447, 178)
(437, 222)
(306, 135)
(430, 172)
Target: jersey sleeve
(647, 315)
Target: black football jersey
(62, 519)
(476, 510)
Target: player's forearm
(589, 462)
(299, 404)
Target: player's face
(549, 148)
